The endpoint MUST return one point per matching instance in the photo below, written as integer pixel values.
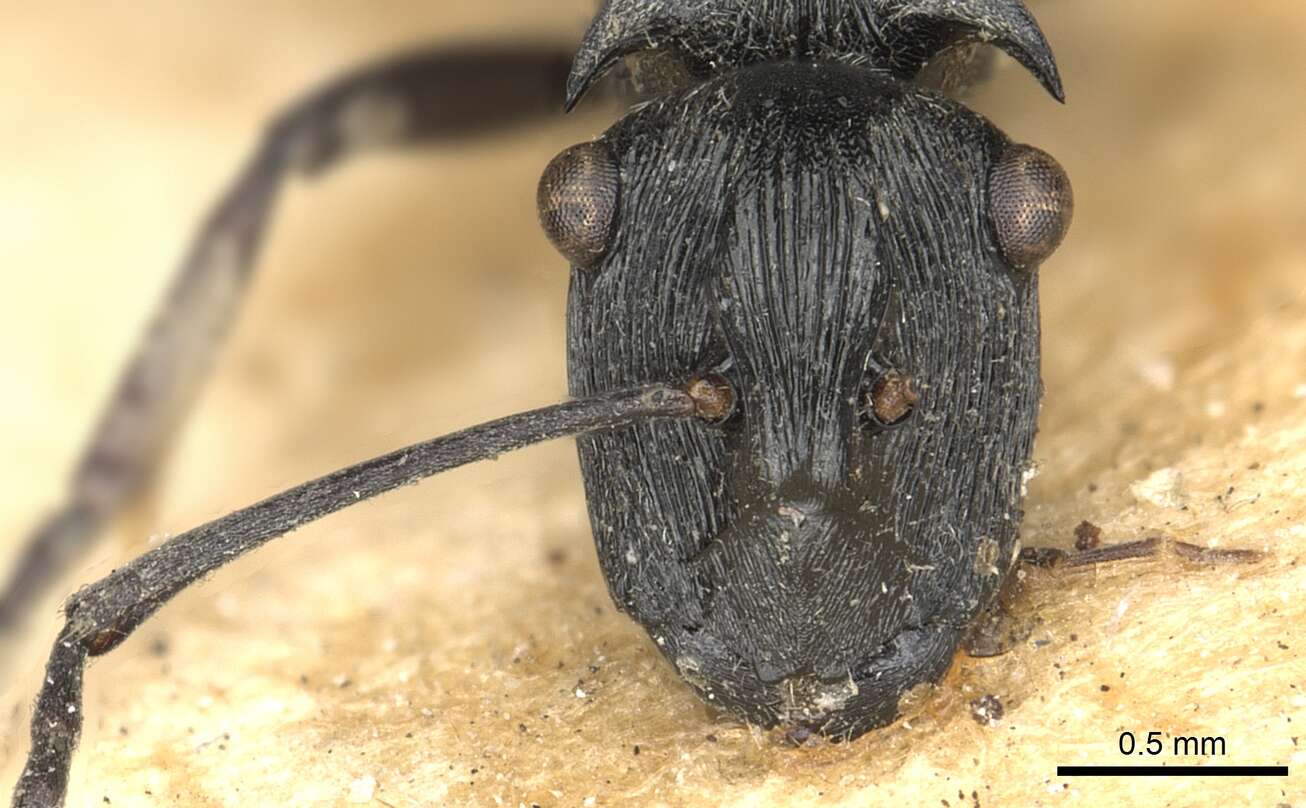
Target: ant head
(855, 259)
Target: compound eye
(577, 200)
(1030, 204)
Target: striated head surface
(820, 235)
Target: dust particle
(1087, 536)
(987, 710)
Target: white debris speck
(590, 802)
(362, 789)
(1121, 608)
(340, 680)
(580, 692)
(1217, 409)
(1163, 488)
(632, 557)
(795, 515)
(1026, 476)
(1300, 392)
(389, 645)
(1160, 373)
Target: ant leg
(1152, 547)
(103, 614)
(1001, 627)
(423, 97)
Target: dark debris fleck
(987, 710)
(1087, 536)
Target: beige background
(454, 643)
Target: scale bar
(1172, 771)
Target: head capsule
(820, 233)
